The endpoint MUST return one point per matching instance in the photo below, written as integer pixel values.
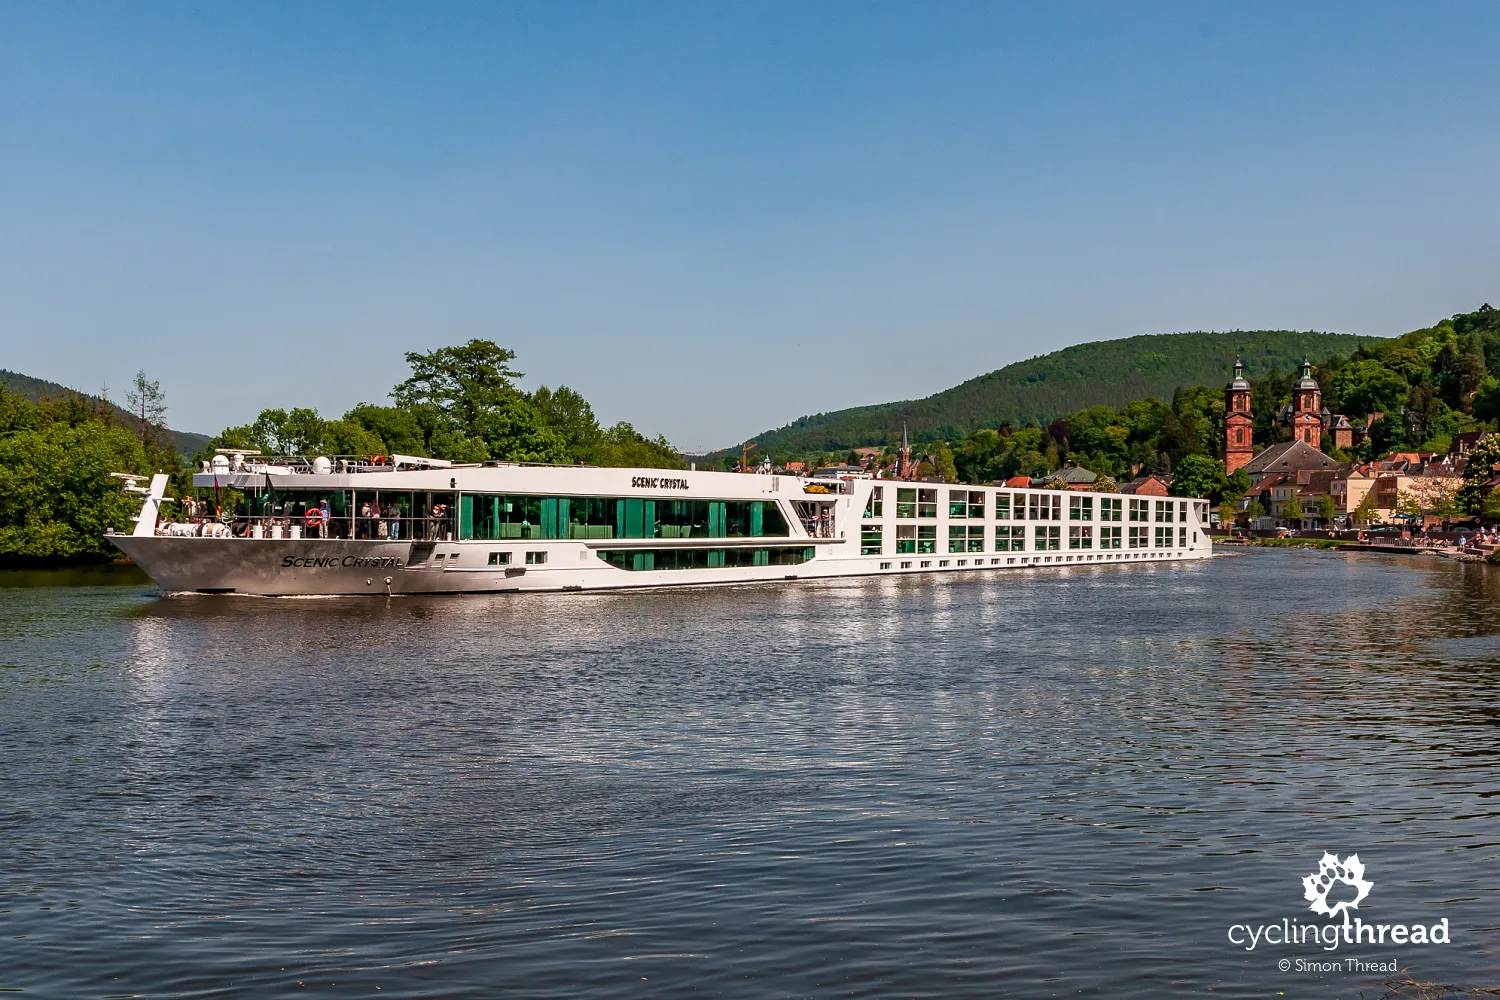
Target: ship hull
(346, 567)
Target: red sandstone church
(1305, 415)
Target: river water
(1070, 783)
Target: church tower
(1237, 421)
(1307, 409)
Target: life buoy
(378, 460)
(313, 517)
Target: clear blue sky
(713, 218)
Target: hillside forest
(1427, 386)
(1101, 373)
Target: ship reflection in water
(961, 786)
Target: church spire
(1238, 423)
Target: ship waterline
(422, 527)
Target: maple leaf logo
(1331, 871)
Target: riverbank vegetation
(461, 404)
(57, 497)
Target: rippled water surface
(1062, 784)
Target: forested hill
(36, 389)
(1105, 372)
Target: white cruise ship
(422, 526)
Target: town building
(1147, 486)
(1075, 476)
(1287, 458)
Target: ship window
(1046, 506)
(906, 539)
(492, 517)
(1048, 538)
(871, 539)
(1080, 508)
(1164, 538)
(673, 559)
(958, 503)
(1080, 537)
(1109, 508)
(1164, 510)
(1010, 537)
(1109, 537)
(1138, 537)
(926, 539)
(1140, 510)
(942, 563)
(976, 504)
(1181, 536)
(536, 558)
(906, 502)
(966, 539)
(1002, 506)
(875, 507)
(906, 565)
(499, 558)
(927, 503)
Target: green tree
(625, 447)
(1489, 507)
(1365, 511)
(148, 405)
(57, 497)
(1237, 484)
(1369, 386)
(1199, 476)
(1408, 504)
(572, 419)
(1292, 510)
(464, 383)
(345, 437)
(1326, 509)
(1255, 510)
(1483, 458)
(945, 464)
(483, 415)
(279, 432)
(402, 431)
(512, 431)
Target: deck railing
(396, 529)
